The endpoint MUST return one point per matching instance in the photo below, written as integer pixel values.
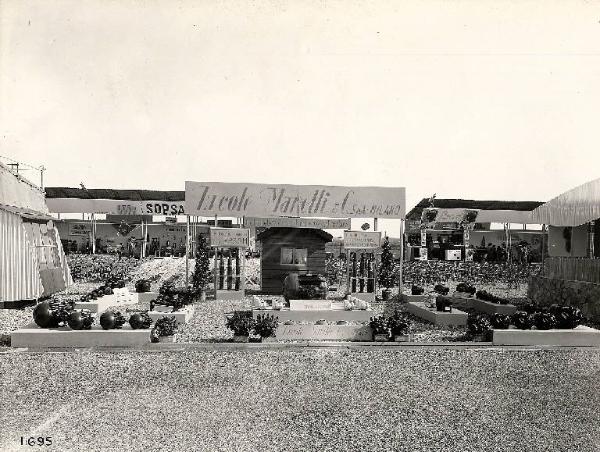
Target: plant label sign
(230, 237)
(312, 223)
(362, 240)
(310, 305)
(324, 332)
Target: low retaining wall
(584, 295)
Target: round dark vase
(386, 294)
(107, 320)
(42, 315)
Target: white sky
(468, 99)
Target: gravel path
(304, 400)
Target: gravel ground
(304, 400)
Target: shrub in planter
(417, 290)
(379, 325)
(567, 317)
(164, 327)
(201, 277)
(241, 323)
(81, 320)
(43, 315)
(522, 320)
(544, 320)
(479, 326)
(112, 320)
(486, 296)
(443, 304)
(398, 324)
(140, 321)
(500, 321)
(142, 286)
(466, 288)
(265, 325)
(442, 290)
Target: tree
(201, 276)
(386, 274)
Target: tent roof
(572, 208)
(519, 206)
(106, 193)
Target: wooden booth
(287, 250)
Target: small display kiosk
(229, 262)
(361, 263)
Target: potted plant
(386, 273)
(379, 325)
(398, 326)
(500, 321)
(265, 326)
(201, 276)
(241, 323)
(417, 290)
(567, 317)
(443, 304)
(479, 328)
(164, 330)
(466, 289)
(142, 286)
(110, 320)
(522, 320)
(140, 321)
(440, 289)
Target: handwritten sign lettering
(362, 239)
(232, 199)
(230, 237)
(313, 223)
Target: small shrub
(142, 286)
(442, 290)
(166, 326)
(544, 320)
(379, 325)
(241, 323)
(266, 325)
(500, 321)
(417, 290)
(522, 320)
(478, 325)
(398, 324)
(567, 317)
(484, 295)
(466, 288)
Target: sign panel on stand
(229, 285)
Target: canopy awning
(505, 216)
(573, 208)
(27, 214)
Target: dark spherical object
(75, 320)
(107, 320)
(43, 315)
(136, 321)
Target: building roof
(325, 236)
(577, 206)
(107, 193)
(519, 206)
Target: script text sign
(272, 200)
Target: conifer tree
(201, 276)
(386, 274)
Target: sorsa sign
(115, 207)
(270, 200)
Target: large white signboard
(116, 207)
(230, 237)
(313, 223)
(362, 239)
(271, 200)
